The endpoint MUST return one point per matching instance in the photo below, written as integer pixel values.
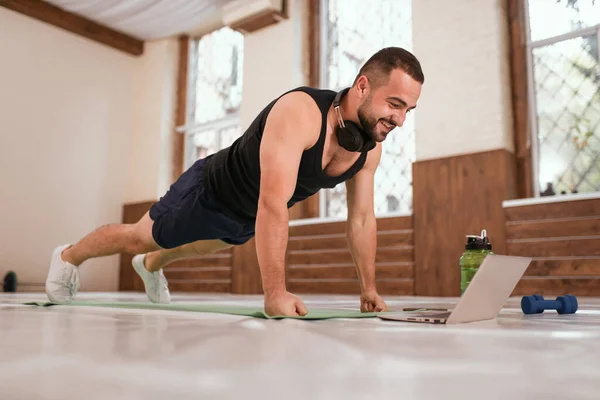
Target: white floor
(97, 353)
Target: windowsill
(558, 198)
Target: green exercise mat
(313, 314)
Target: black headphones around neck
(350, 135)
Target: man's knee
(142, 240)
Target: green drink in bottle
(476, 249)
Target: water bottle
(476, 249)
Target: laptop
(491, 286)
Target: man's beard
(367, 123)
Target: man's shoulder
(307, 99)
(299, 103)
(308, 91)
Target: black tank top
(232, 175)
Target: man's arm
(293, 125)
(361, 230)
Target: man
(303, 141)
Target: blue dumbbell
(536, 304)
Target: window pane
(355, 30)
(567, 86)
(211, 140)
(550, 18)
(217, 78)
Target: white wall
(155, 90)
(465, 102)
(274, 62)
(79, 138)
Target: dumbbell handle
(548, 304)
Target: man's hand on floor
(372, 302)
(284, 303)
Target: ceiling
(149, 19)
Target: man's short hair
(381, 64)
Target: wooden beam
(518, 72)
(314, 42)
(77, 24)
(181, 108)
(311, 206)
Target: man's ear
(362, 85)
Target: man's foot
(155, 283)
(62, 282)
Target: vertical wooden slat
(314, 44)
(311, 205)
(518, 72)
(181, 107)
(310, 208)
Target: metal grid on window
(353, 31)
(215, 93)
(564, 61)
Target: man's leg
(149, 266)
(113, 239)
(157, 260)
(62, 282)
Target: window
(215, 93)
(353, 30)
(564, 81)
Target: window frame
(189, 129)
(321, 81)
(530, 46)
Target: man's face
(386, 107)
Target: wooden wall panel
(563, 237)
(246, 277)
(553, 211)
(319, 259)
(343, 255)
(566, 266)
(455, 197)
(207, 273)
(391, 270)
(586, 226)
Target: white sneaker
(157, 287)
(62, 282)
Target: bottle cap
(475, 242)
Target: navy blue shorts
(187, 213)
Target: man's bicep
(279, 163)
